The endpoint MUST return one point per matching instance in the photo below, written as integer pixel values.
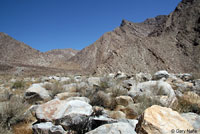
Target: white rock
(57, 109)
(47, 128)
(193, 119)
(160, 74)
(64, 79)
(94, 81)
(114, 128)
(79, 98)
(70, 87)
(36, 89)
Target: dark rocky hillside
(164, 42)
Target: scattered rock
(193, 119)
(114, 128)
(120, 75)
(36, 91)
(70, 87)
(116, 114)
(186, 77)
(79, 98)
(94, 81)
(64, 79)
(66, 95)
(124, 100)
(160, 74)
(48, 128)
(161, 120)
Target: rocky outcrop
(161, 120)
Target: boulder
(193, 119)
(142, 77)
(197, 86)
(161, 120)
(153, 88)
(186, 77)
(160, 74)
(124, 100)
(57, 109)
(82, 123)
(120, 75)
(114, 128)
(116, 114)
(79, 98)
(70, 87)
(37, 91)
(48, 128)
(66, 95)
(94, 81)
(64, 79)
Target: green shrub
(18, 85)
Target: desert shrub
(54, 88)
(5, 96)
(18, 85)
(188, 103)
(4, 130)
(145, 102)
(118, 91)
(12, 112)
(103, 99)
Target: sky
(58, 24)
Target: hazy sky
(51, 24)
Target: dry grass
(22, 128)
(12, 112)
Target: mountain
(165, 42)
(15, 54)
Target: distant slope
(165, 42)
(12, 50)
(15, 54)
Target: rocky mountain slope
(164, 42)
(15, 54)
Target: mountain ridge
(166, 42)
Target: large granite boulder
(161, 120)
(57, 109)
